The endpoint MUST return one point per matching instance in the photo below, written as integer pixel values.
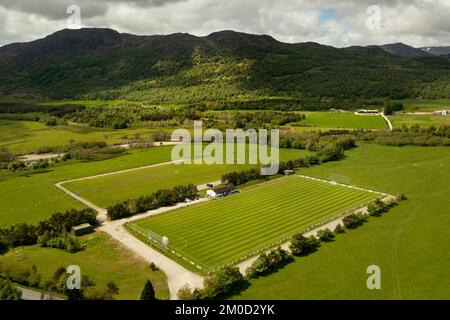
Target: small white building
(441, 113)
(365, 112)
(221, 191)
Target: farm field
(107, 190)
(422, 120)
(103, 260)
(221, 231)
(22, 137)
(409, 243)
(423, 105)
(345, 120)
(34, 198)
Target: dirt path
(29, 294)
(177, 275)
(389, 123)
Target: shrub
(302, 246)
(354, 220)
(267, 263)
(8, 291)
(158, 199)
(153, 267)
(401, 197)
(339, 229)
(325, 235)
(238, 178)
(222, 283)
(186, 293)
(5, 155)
(63, 241)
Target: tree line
(52, 230)
(158, 199)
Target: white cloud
(338, 23)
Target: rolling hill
(406, 51)
(223, 66)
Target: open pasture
(424, 105)
(107, 190)
(422, 120)
(342, 120)
(103, 260)
(22, 137)
(410, 243)
(222, 231)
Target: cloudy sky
(334, 22)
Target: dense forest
(227, 69)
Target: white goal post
(161, 241)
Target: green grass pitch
(221, 231)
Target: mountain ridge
(180, 67)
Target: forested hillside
(225, 67)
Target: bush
(401, 197)
(186, 293)
(377, 208)
(158, 199)
(325, 235)
(5, 155)
(302, 246)
(153, 267)
(238, 178)
(222, 283)
(63, 241)
(27, 277)
(8, 291)
(353, 221)
(268, 263)
(339, 229)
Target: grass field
(34, 198)
(346, 120)
(410, 243)
(22, 137)
(222, 231)
(416, 105)
(103, 260)
(108, 190)
(422, 120)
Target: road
(391, 127)
(177, 275)
(29, 294)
